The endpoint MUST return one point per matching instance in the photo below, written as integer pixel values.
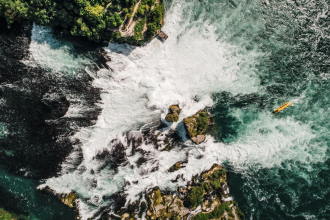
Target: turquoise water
(19, 195)
(294, 37)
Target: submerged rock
(173, 113)
(55, 105)
(197, 126)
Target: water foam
(54, 54)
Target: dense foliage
(134, 21)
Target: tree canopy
(95, 20)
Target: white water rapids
(193, 62)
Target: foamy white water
(191, 65)
(54, 54)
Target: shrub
(195, 196)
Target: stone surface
(178, 165)
(69, 199)
(197, 125)
(173, 113)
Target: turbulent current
(241, 59)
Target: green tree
(13, 10)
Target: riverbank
(135, 21)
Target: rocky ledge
(205, 197)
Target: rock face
(173, 113)
(205, 197)
(197, 126)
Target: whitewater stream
(239, 59)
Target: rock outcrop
(69, 199)
(173, 113)
(178, 165)
(197, 126)
(205, 197)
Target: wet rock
(55, 104)
(118, 154)
(178, 165)
(197, 126)
(198, 139)
(115, 157)
(69, 199)
(134, 139)
(173, 113)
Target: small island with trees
(124, 21)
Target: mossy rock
(173, 113)
(69, 199)
(197, 126)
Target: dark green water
(19, 195)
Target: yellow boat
(282, 107)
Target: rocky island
(197, 125)
(206, 195)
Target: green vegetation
(216, 213)
(95, 20)
(208, 183)
(13, 11)
(195, 196)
